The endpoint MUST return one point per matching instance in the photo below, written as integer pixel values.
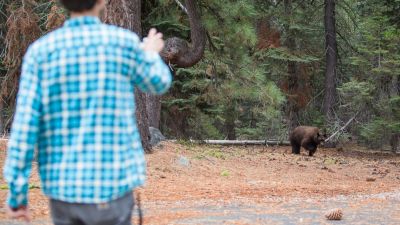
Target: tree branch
(342, 128)
(182, 6)
(346, 41)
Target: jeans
(115, 212)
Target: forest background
(248, 69)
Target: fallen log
(239, 142)
(228, 142)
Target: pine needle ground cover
(188, 184)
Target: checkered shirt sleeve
(75, 105)
(24, 133)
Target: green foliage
(372, 87)
(238, 87)
(374, 133)
(286, 55)
(228, 84)
(215, 154)
(207, 152)
(202, 127)
(356, 94)
(225, 173)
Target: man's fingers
(19, 214)
(27, 218)
(159, 35)
(153, 42)
(22, 216)
(152, 32)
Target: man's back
(76, 101)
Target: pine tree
(374, 87)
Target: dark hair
(78, 5)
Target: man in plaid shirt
(76, 107)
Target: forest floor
(203, 184)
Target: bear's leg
(311, 152)
(295, 149)
(311, 149)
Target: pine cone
(334, 214)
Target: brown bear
(306, 137)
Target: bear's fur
(306, 137)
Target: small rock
(163, 176)
(155, 136)
(183, 161)
(371, 179)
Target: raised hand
(153, 42)
(21, 213)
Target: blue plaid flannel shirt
(76, 106)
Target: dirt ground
(183, 179)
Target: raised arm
(150, 73)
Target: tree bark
(3, 20)
(142, 120)
(153, 106)
(127, 14)
(331, 60)
(394, 92)
(292, 109)
(181, 54)
(230, 122)
(177, 51)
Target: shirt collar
(82, 20)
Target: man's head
(84, 6)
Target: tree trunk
(142, 121)
(153, 106)
(292, 109)
(178, 53)
(331, 60)
(394, 142)
(230, 122)
(2, 73)
(394, 92)
(127, 14)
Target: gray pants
(116, 212)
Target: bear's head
(319, 136)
